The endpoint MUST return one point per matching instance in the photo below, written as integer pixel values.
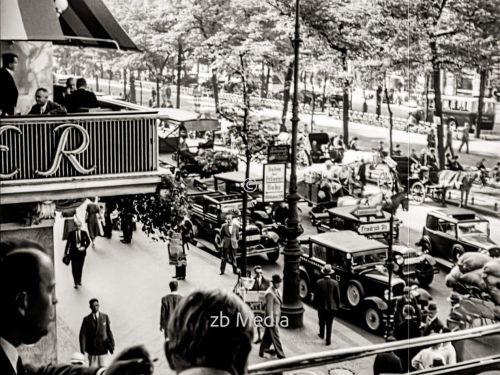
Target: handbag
(66, 259)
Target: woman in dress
(92, 218)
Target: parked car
(208, 211)
(360, 270)
(411, 263)
(450, 232)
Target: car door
(447, 236)
(317, 260)
(341, 266)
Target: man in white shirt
(427, 357)
(27, 294)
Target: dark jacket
(435, 326)
(8, 93)
(168, 305)
(50, 109)
(387, 363)
(96, 337)
(72, 246)
(327, 296)
(6, 368)
(82, 98)
(262, 286)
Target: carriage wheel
(418, 192)
(385, 181)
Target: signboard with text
(278, 154)
(274, 186)
(373, 228)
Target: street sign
(274, 183)
(373, 228)
(278, 154)
(196, 92)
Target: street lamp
(292, 307)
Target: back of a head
(8, 58)
(81, 83)
(173, 285)
(210, 329)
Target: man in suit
(230, 235)
(168, 305)
(433, 323)
(260, 284)
(27, 293)
(76, 247)
(327, 299)
(44, 106)
(387, 363)
(8, 93)
(272, 319)
(82, 98)
(96, 338)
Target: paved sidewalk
(130, 280)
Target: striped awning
(29, 20)
(90, 23)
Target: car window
(432, 222)
(319, 252)
(446, 227)
(212, 209)
(369, 257)
(336, 258)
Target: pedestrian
(70, 219)
(272, 319)
(465, 138)
(428, 358)
(327, 301)
(448, 163)
(484, 171)
(406, 299)
(260, 284)
(381, 150)
(431, 139)
(388, 362)
(230, 235)
(433, 324)
(9, 93)
(96, 337)
(408, 328)
(496, 172)
(76, 250)
(27, 287)
(362, 174)
(447, 350)
(449, 140)
(210, 333)
(93, 220)
(353, 144)
(168, 305)
(397, 150)
(108, 220)
(127, 223)
(177, 255)
(456, 166)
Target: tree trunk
(313, 102)
(286, 95)
(345, 105)
(262, 79)
(215, 87)
(391, 125)
(268, 77)
(323, 101)
(179, 69)
(480, 106)
(248, 156)
(427, 78)
(436, 77)
(158, 76)
(124, 83)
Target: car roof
(347, 241)
(456, 214)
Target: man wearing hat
(406, 299)
(433, 323)
(272, 319)
(327, 300)
(260, 284)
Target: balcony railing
(490, 359)
(55, 147)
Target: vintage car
(360, 270)
(411, 263)
(208, 211)
(371, 222)
(450, 232)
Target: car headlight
(269, 210)
(386, 294)
(399, 259)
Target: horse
(389, 204)
(459, 180)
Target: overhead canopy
(29, 20)
(90, 23)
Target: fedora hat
(327, 269)
(277, 278)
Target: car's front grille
(397, 290)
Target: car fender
(377, 301)
(424, 238)
(303, 271)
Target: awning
(29, 20)
(89, 23)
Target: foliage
(163, 209)
(217, 162)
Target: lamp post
(292, 307)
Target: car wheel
(456, 253)
(418, 191)
(304, 290)
(373, 318)
(273, 257)
(354, 294)
(218, 242)
(385, 181)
